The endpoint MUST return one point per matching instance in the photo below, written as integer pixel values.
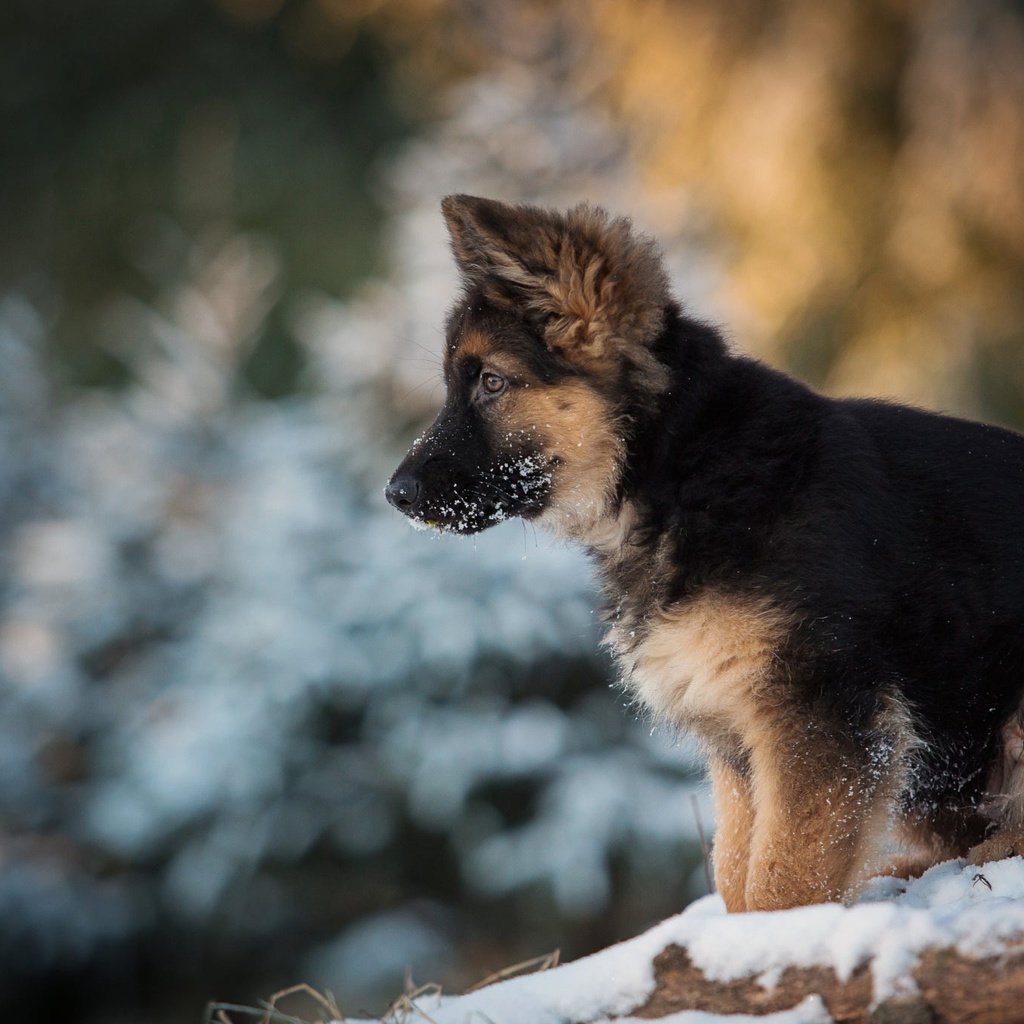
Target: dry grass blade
(538, 963)
(324, 1000)
(269, 1012)
(265, 1013)
(405, 1007)
(400, 1011)
(218, 1013)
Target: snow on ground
(810, 1011)
(977, 911)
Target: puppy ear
(506, 250)
(606, 301)
(595, 289)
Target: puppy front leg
(734, 822)
(819, 811)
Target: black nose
(403, 491)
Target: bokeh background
(254, 730)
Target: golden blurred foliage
(864, 160)
(858, 166)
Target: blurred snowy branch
(225, 655)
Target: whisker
(415, 387)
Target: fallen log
(947, 948)
(946, 987)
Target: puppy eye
(492, 383)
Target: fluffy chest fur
(703, 664)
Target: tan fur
(806, 823)
(1005, 843)
(572, 424)
(734, 809)
(822, 812)
(810, 813)
(611, 535)
(479, 345)
(1004, 801)
(704, 661)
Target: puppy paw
(997, 847)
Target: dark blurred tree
(129, 127)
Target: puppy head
(591, 289)
(548, 356)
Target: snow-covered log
(945, 986)
(948, 947)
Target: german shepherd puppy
(828, 593)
